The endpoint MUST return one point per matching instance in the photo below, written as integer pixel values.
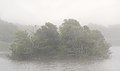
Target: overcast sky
(104, 12)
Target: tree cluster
(70, 40)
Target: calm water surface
(112, 64)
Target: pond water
(112, 64)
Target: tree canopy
(70, 40)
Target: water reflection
(106, 65)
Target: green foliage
(22, 45)
(72, 40)
(46, 39)
(69, 32)
(81, 41)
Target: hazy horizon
(37, 12)
(59, 35)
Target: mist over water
(111, 64)
(57, 38)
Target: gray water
(112, 64)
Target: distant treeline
(111, 33)
(69, 40)
(7, 31)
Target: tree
(22, 45)
(81, 41)
(72, 40)
(46, 40)
(70, 32)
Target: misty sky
(105, 12)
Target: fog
(59, 35)
(32, 12)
